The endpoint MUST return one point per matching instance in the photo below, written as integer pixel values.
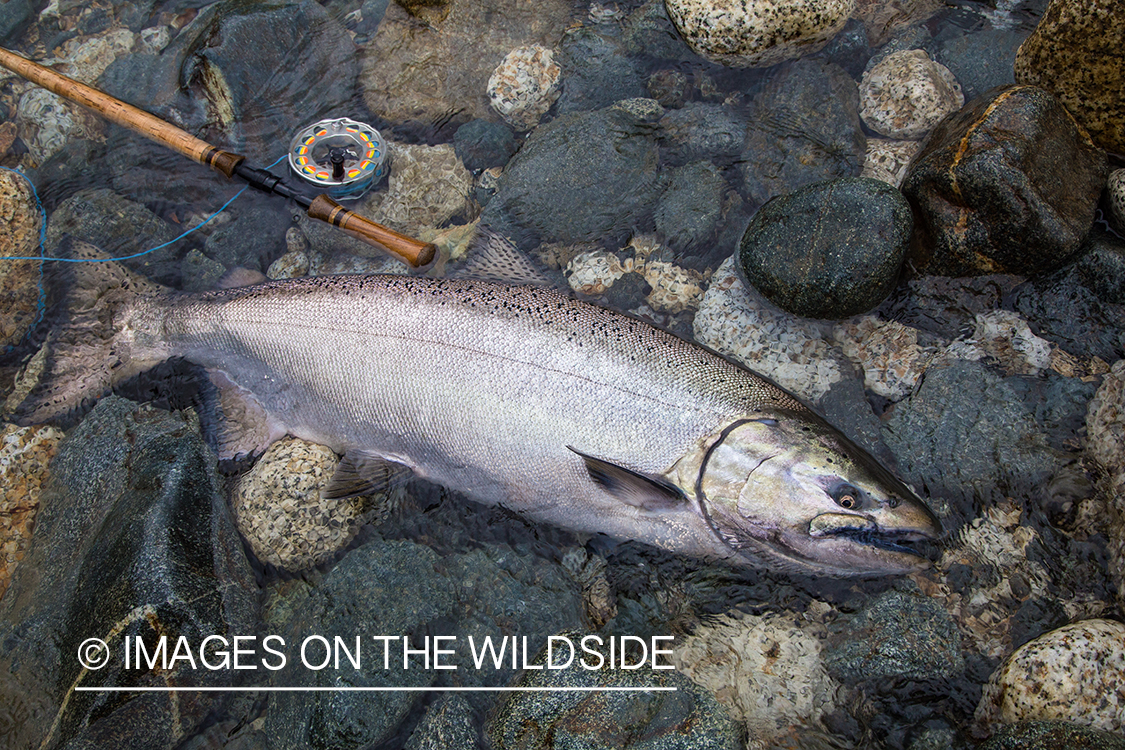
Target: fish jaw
(784, 488)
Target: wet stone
(20, 224)
(524, 86)
(889, 160)
(758, 35)
(1052, 735)
(899, 635)
(804, 127)
(948, 306)
(981, 60)
(987, 202)
(1074, 53)
(253, 240)
(702, 131)
(905, 94)
(686, 717)
(596, 72)
(133, 539)
(649, 31)
(481, 144)
(569, 170)
(1115, 195)
(829, 250)
(1062, 309)
(427, 186)
(689, 210)
(447, 724)
(24, 455)
(1105, 445)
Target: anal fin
(362, 473)
(632, 487)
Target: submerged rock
(758, 35)
(906, 93)
(804, 127)
(888, 160)
(481, 144)
(524, 86)
(133, 540)
(24, 455)
(988, 202)
(596, 71)
(1062, 309)
(1074, 674)
(252, 240)
(699, 131)
(20, 280)
(427, 186)
(829, 250)
(1105, 444)
(981, 60)
(1052, 735)
(1075, 53)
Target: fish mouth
(916, 543)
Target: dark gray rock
(965, 435)
(898, 635)
(1007, 185)
(1052, 735)
(481, 144)
(670, 87)
(448, 723)
(121, 228)
(804, 127)
(199, 273)
(1062, 309)
(1102, 266)
(688, 717)
(584, 176)
(688, 212)
(829, 250)
(253, 240)
(981, 60)
(15, 16)
(595, 72)
(947, 306)
(850, 49)
(699, 131)
(845, 405)
(649, 32)
(628, 292)
(133, 540)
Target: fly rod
(409, 250)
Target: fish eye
(846, 496)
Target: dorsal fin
(632, 487)
(362, 473)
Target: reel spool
(343, 157)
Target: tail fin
(90, 349)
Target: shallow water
(1061, 576)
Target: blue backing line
(42, 257)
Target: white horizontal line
(373, 689)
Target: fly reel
(343, 157)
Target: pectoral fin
(632, 487)
(235, 422)
(361, 473)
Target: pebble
(793, 351)
(292, 265)
(24, 455)
(592, 273)
(1004, 336)
(674, 289)
(905, 94)
(765, 670)
(888, 160)
(1074, 674)
(761, 34)
(279, 510)
(525, 85)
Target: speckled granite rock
(1075, 674)
(427, 186)
(279, 510)
(592, 272)
(766, 671)
(986, 202)
(674, 289)
(20, 223)
(1052, 735)
(1105, 444)
(1075, 53)
(888, 352)
(448, 723)
(889, 160)
(24, 455)
(737, 321)
(423, 72)
(1115, 191)
(524, 86)
(292, 265)
(47, 123)
(906, 93)
(829, 250)
(757, 35)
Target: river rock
(888, 352)
(701, 131)
(948, 306)
(687, 717)
(739, 322)
(981, 60)
(15, 16)
(829, 250)
(1105, 445)
(133, 539)
(427, 186)
(431, 72)
(24, 455)
(888, 160)
(1052, 735)
(253, 240)
(884, 21)
(766, 671)
(906, 93)
(1075, 674)
(596, 71)
(985, 199)
(119, 227)
(804, 127)
(570, 169)
(1075, 53)
(481, 144)
(649, 32)
(524, 86)
(688, 212)
(20, 225)
(448, 723)
(1063, 309)
(761, 34)
(1115, 193)
(47, 123)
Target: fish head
(787, 485)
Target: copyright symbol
(93, 653)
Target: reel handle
(415, 252)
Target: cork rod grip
(415, 252)
(125, 115)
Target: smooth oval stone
(829, 250)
